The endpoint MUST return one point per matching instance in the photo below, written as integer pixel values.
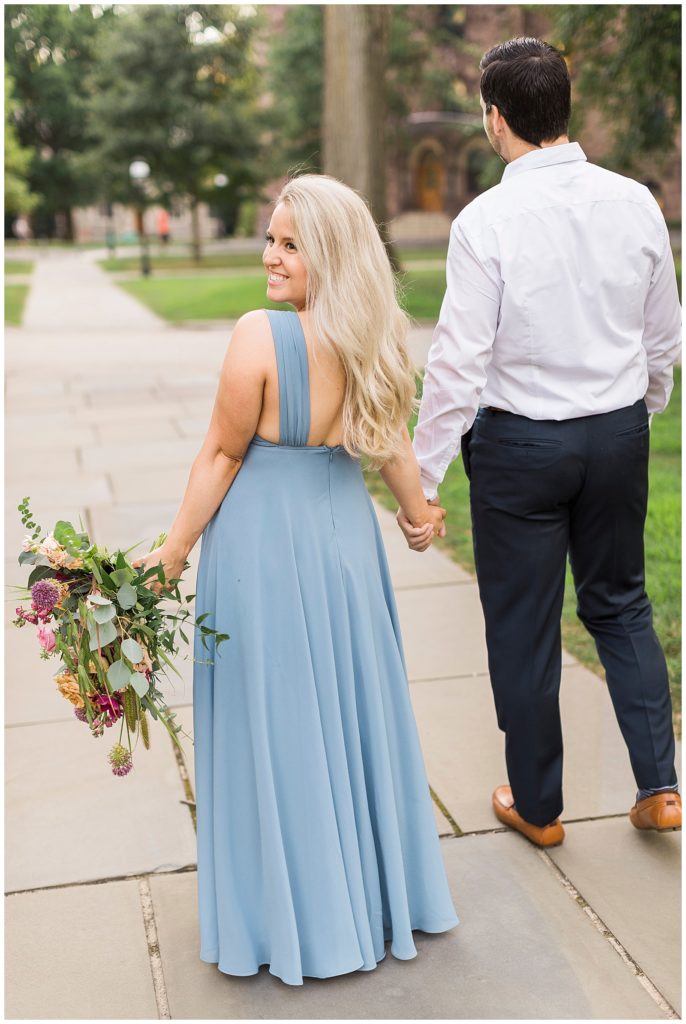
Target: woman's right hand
(419, 536)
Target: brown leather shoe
(661, 812)
(547, 835)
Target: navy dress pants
(540, 489)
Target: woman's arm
(233, 423)
(401, 476)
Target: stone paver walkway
(105, 409)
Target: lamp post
(220, 182)
(139, 171)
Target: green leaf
(202, 617)
(105, 612)
(132, 650)
(118, 674)
(99, 599)
(139, 683)
(85, 684)
(65, 534)
(41, 572)
(121, 576)
(27, 558)
(105, 633)
(127, 596)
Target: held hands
(420, 537)
(172, 561)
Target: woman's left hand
(172, 562)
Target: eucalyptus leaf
(121, 576)
(139, 683)
(99, 599)
(127, 596)
(132, 649)
(104, 612)
(27, 558)
(118, 674)
(105, 634)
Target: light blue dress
(316, 836)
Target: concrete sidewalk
(106, 407)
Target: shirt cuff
(430, 487)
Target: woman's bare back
(327, 391)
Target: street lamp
(139, 172)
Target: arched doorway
(430, 181)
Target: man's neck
(518, 147)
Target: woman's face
(287, 277)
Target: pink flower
(46, 638)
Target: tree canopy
(626, 62)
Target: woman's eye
(290, 245)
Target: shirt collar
(561, 154)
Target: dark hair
(529, 83)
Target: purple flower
(44, 595)
(81, 714)
(120, 759)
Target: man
(558, 332)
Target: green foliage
(295, 80)
(176, 86)
(18, 198)
(100, 638)
(626, 61)
(49, 50)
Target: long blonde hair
(352, 298)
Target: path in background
(106, 408)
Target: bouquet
(94, 611)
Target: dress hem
(213, 958)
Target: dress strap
(294, 376)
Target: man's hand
(419, 538)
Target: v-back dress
(315, 831)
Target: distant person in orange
(163, 226)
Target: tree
(355, 59)
(626, 61)
(49, 51)
(18, 198)
(295, 115)
(175, 85)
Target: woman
(316, 837)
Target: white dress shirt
(561, 301)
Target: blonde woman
(316, 837)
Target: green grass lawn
(225, 298)
(198, 298)
(15, 297)
(18, 266)
(662, 543)
(233, 260)
(212, 261)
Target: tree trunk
(69, 224)
(196, 243)
(355, 58)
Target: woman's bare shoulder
(251, 339)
